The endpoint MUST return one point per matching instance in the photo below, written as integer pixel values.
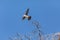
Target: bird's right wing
(27, 11)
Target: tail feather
(23, 18)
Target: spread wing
(27, 11)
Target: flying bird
(26, 15)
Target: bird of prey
(26, 15)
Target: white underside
(26, 16)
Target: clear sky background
(47, 12)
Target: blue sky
(47, 12)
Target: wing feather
(27, 11)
